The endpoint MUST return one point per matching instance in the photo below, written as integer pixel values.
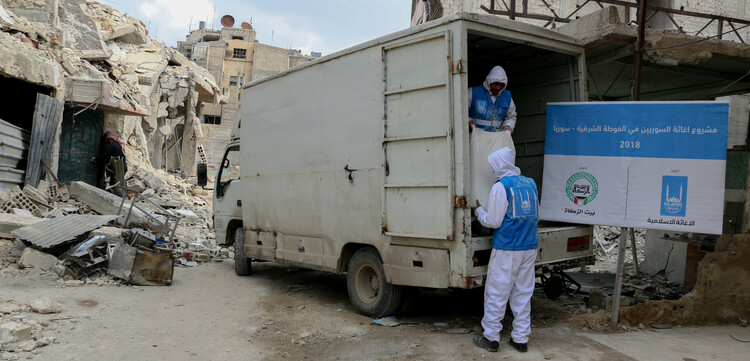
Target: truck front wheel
(242, 265)
(368, 290)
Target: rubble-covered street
(292, 314)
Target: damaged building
(74, 69)
(233, 56)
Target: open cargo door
(418, 185)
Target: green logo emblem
(581, 188)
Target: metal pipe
(618, 279)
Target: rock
(27, 346)
(73, 283)
(596, 298)
(14, 332)
(34, 258)
(440, 324)
(188, 216)
(641, 326)
(7, 356)
(154, 182)
(148, 193)
(743, 322)
(136, 185)
(9, 308)
(457, 331)
(45, 306)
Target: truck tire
(368, 290)
(554, 287)
(242, 265)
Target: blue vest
(481, 107)
(518, 232)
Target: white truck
(358, 162)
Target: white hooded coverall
(510, 274)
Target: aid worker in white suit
(512, 211)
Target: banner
(656, 165)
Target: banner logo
(582, 188)
(673, 195)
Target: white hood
(502, 163)
(497, 74)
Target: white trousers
(510, 279)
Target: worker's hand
(93, 159)
(505, 127)
(478, 204)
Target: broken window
(235, 37)
(212, 119)
(232, 80)
(239, 53)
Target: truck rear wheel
(242, 265)
(368, 290)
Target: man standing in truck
(491, 107)
(512, 211)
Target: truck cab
(227, 204)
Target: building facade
(234, 57)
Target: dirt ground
(282, 313)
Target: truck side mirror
(202, 174)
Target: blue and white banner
(657, 165)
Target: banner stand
(618, 276)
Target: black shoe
(483, 342)
(521, 347)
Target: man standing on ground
(512, 211)
(491, 107)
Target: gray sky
(308, 25)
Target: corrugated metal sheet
(14, 142)
(55, 231)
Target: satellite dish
(227, 21)
(246, 25)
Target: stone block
(34, 258)
(14, 332)
(11, 222)
(45, 306)
(9, 308)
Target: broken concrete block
(148, 193)
(34, 258)
(188, 216)
(111, 234)
(9, 308)
(11, 222)
(27, 346)
(597, 298)
(104, 202)
(20, 200)
(14, 332)
(35, 194)
(152, 181)
(22, 212)
(136, 185)
(45, 306)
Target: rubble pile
(607, 240)
(23, 329)
(174, 212)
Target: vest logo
(524, 201)
(673, 195)
(582, 188)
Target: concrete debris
(45, 306)
(10, 222)
(14, 332)
(34, 258)
(9, 308)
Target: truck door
(418, 145)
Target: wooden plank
(47, 115)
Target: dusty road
(280, 313)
